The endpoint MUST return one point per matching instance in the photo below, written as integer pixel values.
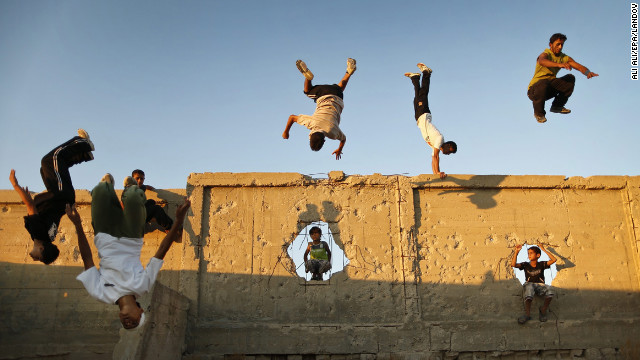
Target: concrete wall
(429, 272)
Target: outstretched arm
(24, 194)
(176, 230)
(583, 69)
(435, 164)
(83, 244)
(292, 119)
(515, 255)
(338, 151)
(552, 258)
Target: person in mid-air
(325, 121)
(545, 85)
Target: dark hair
(316, 141)
(50, 252)
(536, 250)
(314, 230)
(557, 36)
(137, 171)
(452, 146)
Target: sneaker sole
(304, 69)
(424, 68)
(351, 65)
(85, 135)
(560, 112)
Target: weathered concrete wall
(428, 274)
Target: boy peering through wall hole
(533, 262)
(314, 253)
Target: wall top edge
(423, 181)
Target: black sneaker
(559, 110)
(523, 319)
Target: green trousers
(107, 216)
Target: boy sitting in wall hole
(534, 281)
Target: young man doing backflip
(430, 133)
(325, 121)
(46, 208)
(545, 85)
(118, 236)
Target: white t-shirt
(326, 118)
(430, 133)
(121, 272)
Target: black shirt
(533, 274)
(319, 91)
(43, 226)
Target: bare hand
(285, 135)
(338, 153)
(442, 175)
(591, 74)
(14, 182)
(565, 66)
(73, 214)
(13, 179)
(181, 212)
(518, 247)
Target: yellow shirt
(543, 72)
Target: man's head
(130, 312)
(534, 253)
(44, 251)
(556, 43)
(316, 141)
(315, 233)
(138, 176)
(449, 147)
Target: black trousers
(54, 168)
(559, 88)
(155, 211)
(421, 98)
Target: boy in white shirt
(430, 133)
(325, 121)
(118, 236)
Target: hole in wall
(523, 256)
(299, 245)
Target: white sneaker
(424, 68)
(85, 135)
(351, 66)
(108, 178)
(128, 181)
(304, 70)
(410, 75)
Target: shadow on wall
(481, 197)
(45, 311)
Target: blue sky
(175, 87)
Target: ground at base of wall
(587, 354)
